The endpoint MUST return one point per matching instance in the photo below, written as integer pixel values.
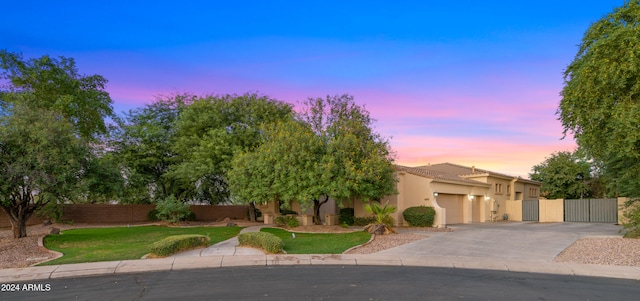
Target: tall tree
(41, 161)
(564, 175)
(142, 142)
(357, 162)
(211, 131)
(601, 96)
(51, 122)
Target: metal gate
(530, 210)
(591, 211)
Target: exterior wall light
(470, 198)
(435, 194)
(486, 198)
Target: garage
(453, 203)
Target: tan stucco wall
(416, 191)
(514, 210)
(551, 211)
(622, 209)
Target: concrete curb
(220, 261)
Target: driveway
(512, 240)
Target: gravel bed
(605, 251)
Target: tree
(143, 143)
(600, 98)
(357, 162)
(564, 175)
(51, 119)
(41, 161)
(285, 168)
(329, 151)
(55, 84)
(211, 131)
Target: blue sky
(467, 82)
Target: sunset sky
(466, 82)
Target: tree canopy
(142, 142)
(600, 98)
(210, 131)
(564, 175)
(55, 84)
(330, 150)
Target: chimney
(473, 169)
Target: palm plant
(383, 214)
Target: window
(498, 188)
(508, 189)
(533, 192)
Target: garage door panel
(453, 204)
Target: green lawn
(319, 243)
(121, 243)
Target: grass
(121, 243)
(318, 243)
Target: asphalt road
(331, 283)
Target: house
(459, 194)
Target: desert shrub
(363, 221)
(173, 244)
(172, 210)
(632, 218)
(346, 216)
(420, 216)
(288, 221)
(52, 211)
(152, 215)
(191, 216)
(263, 240)
(287, 212)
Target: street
(330, 283)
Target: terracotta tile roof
(454, 172)
(462, 170)
(438, 175)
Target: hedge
(263, 240)
(288, 221)
(420, 216)
(176, 243)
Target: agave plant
(382, 213)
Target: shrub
(632, 215)
(176, 243)
(52, 211)
(347, 216)
(287, 212)
(288, 221)
(152, 215)
(191, 216)
(420, 216)
(263, 240)
(172, 210)
(363, 221)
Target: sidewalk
(227, 254)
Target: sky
(475, 83)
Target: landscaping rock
(54, 230)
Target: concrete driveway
(510, 240)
